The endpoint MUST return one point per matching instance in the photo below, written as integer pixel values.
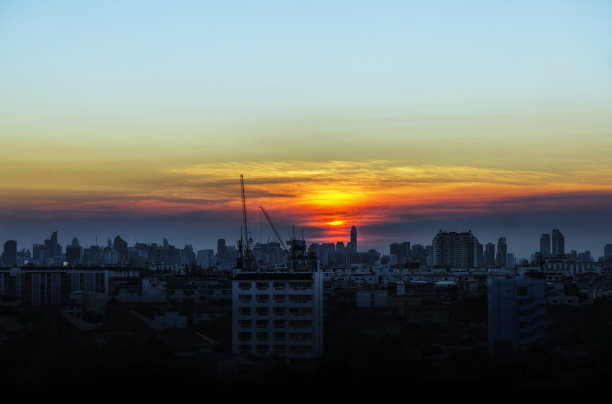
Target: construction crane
(275, 230)
(246, 242)
(290, 253)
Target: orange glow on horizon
(323, 195)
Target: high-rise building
(221, 252)
(52, 251)
(608, 252)
(510, 260)
(518, 315)
(502, 251)
(455, 250)
(558, 243)
(188, 256)
(9, 256)
(353, 240)
(74, 252)
(490, 255)
(278, 314)
(327, 254)
(545, 245)
(401, 251)
(205, 258)
(121, 247)
(93, 256)
(342, 255)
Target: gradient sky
(403, 117)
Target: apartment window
(262, 298)
(279, 298)
(279, 323)
(279, 285)
(244, 323)
(279, 336)
(279, 311)
(522, 291)
(244, 298)
(244, 311)
(300, 298)
(278, 348)
(262, 311)
(244, 285)
(262, 349)
(244, 336)
(300, 311)
(261, 336)
(262, 285)
(244, 348)
(262, 323)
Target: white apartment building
(278, 314)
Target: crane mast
(246, 241)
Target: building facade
(558, 243)
(518, 314)
(455, 250)
(278, 314)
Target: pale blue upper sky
(270, 57)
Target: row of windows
(276, 323)
(277, 298)
(278, 336)
(276, 285)
(276, 348)
(278, 311)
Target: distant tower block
(353, 240)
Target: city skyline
(403, 118)
(541, 251)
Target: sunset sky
(137, 118)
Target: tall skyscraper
(502, 250)
(353, 240)
(455, 250)
(545, 245)
(490, 255)
(558, 243)
(121, 247)
(9, 256)
(221, 251)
